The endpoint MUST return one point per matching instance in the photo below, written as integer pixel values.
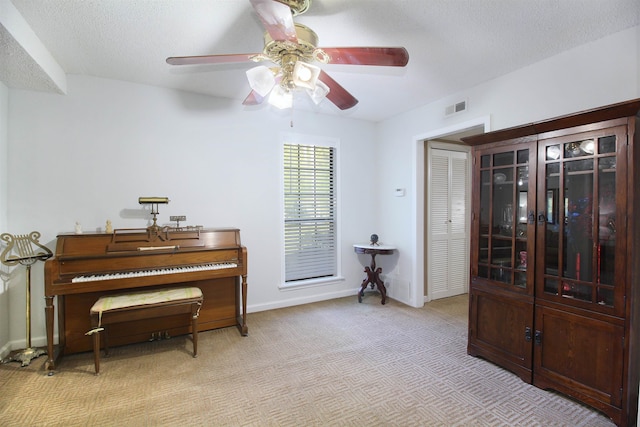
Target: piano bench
(110, 309)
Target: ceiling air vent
(458, 107)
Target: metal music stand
(25, 246)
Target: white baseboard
(5, 350)
(20, 344)
(303, 300)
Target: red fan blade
(209, 59)
(388, 56)
(337, 94)
(276, 18)
(253, 99)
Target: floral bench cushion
(140, 299)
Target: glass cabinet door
(506, 216)
(578, 223)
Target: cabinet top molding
(609, 112)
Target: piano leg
(49, 312)
(242, 318)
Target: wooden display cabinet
(555, 255)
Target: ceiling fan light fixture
(305, 75)
(281, 98)
(261, 79)
(319, 93)
(290, 45)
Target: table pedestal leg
(373, 278)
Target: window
(309, 212)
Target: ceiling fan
(293, 48)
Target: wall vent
(458, 107)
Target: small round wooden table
(373, 273)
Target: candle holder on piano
(177, 219)
(25, 246)
(154, 202)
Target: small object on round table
(374, 239)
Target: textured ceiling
(453, 44)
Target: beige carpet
(334, 363)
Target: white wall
(596, 74)
(87, 156)
(4, 296)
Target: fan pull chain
(291, 122)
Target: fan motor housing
(304, 49)
(297, 7)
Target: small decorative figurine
(78, 228)
(108, 228)
(374, 239)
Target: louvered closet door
(448, 252)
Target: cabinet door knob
(541, 217)
(527, 334)
(538, 338)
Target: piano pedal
(158, 336)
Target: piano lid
(144, 241)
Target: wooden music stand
(26, 247)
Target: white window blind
(310, 212)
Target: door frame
(418, 297)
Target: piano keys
(87, 266)
(154, 272)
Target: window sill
(302, 284)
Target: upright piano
(87, 266)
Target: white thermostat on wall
(399, 192)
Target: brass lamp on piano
(87, 266)
(154, 202)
